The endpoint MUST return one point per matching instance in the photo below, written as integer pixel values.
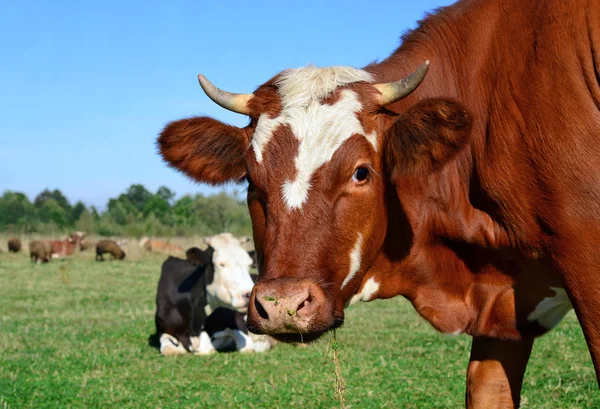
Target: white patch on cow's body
(202, 345)
(319, 128)
(169, 345)
(262, 343)
(355, 257)
(367, 292)
(243, 342)
(194, 343)
(551, 310)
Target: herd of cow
(201, 301)
(42, 251)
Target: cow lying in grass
(186, 290)
(159, 246)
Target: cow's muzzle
(290, 310)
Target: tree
(166, 194)
(16, 212)
(221, 213)
(95, 214)
(77, 211)
(117, 211)
(183, 212)
(138, 196)
(51, 212)
(58, 197)
(158, 207)
(42, 197)
(134, 212)
(85, 222)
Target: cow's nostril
(262, 313)
(304, 306)
(246, 296)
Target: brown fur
(110, 247)
(181, 139)
(14, 245)
(426, 137)
(66, 247)
(472, 217)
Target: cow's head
(231, 284)
(319, 154)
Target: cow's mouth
(304, 338)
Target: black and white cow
(186, 291)
(228, 332)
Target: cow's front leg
(495, 373)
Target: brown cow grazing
(14, 245)
(477, 196)
(40, 251)
(110, 247)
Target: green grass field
(74, 334)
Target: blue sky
(85, 87)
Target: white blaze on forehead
(319, 128)
(551, 310)
(355, 256)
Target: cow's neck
(451, 259)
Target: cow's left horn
(395, 91)
(228, 100)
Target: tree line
(136, 212)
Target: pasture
(75, 334)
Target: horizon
(86, 88)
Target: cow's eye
(222, 265)
(360, 174)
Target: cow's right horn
(228, 100)
(395, 91)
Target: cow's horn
(228, 100)
(395, 91)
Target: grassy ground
(74, 334)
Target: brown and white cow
(67, 246)
(477, 197)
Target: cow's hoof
(169, 346)
(170, 350)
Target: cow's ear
(205, 149)
(426, 137)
